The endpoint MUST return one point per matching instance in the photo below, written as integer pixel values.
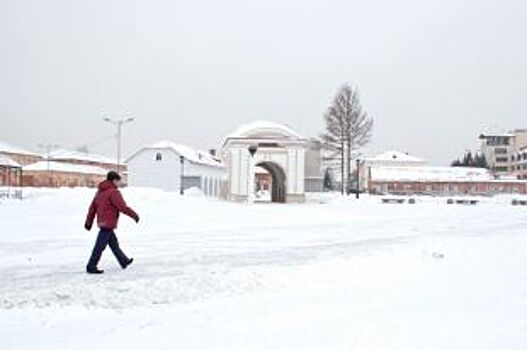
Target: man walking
(107, 205)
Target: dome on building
(264, 129)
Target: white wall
(290, 159)
(145, 171)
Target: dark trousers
(104, 238)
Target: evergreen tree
(480, 161)
(467, 159)
(477, 161)
(456, 163)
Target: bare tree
(348, 128)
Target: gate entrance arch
(278, 181)
(274, 147)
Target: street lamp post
(250, 177)
(119, 124)
(182, 176)
(48, 147)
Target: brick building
(76, 157)
(19, 155)
(61, 174)
(440, 181)
(19, 167)
(10, 177)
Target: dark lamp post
(182, 176)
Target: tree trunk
(342, 177)
(348, 156)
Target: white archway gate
(280, 149)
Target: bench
(393, 200)
(462, 201)
(11, 194)
(519, 202)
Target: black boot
(130, 261)
(95, 271)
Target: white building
(388, 159)
(172, 167)
(295, 167)
(506, 153)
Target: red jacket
(107, 204)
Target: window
(500, 151)
(498, 141)
(501, 159)
(159, 157)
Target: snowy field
(329, 274)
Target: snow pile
(429, 173)
(194, 192)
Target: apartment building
(505, 152)
(519, 163)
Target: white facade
(159, 166)
(280, 150)
(388, 160)
(506, 152)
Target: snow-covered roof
(395, 156)
(5, 161)
(189, 153)
(8, 148)
(429, 173)
(263, 127)
(65, 167)
(496, 135)
(64, 154)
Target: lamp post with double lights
(48, 147)
(119, 124)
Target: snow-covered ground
(330, 274)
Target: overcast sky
(432, 74)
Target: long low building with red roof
(440, 181)
(19, 154)
(61, 174)
(20, 167)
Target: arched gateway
(277, 149)
(277, 187)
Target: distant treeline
(477, 160)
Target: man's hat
(112, 175)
